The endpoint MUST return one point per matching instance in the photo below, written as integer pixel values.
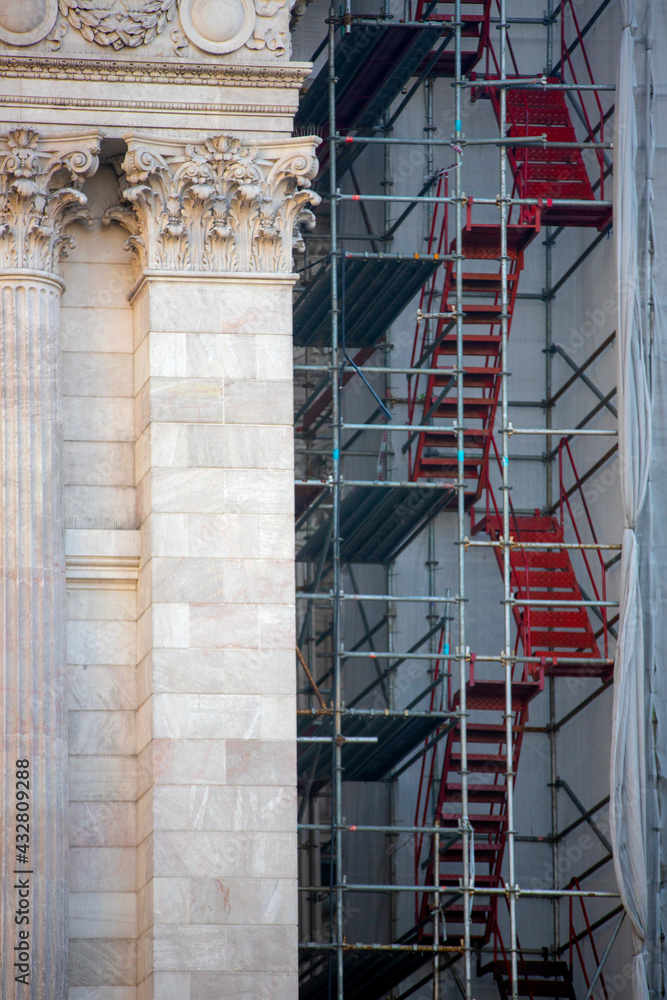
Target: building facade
(460, 374)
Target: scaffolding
(461, 732)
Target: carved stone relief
(217, 204)
(40, 195)
(217, 27)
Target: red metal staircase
(435, 455)
(546, 173)
(543, 110)
(552, 611)
(487, 797)
(547, 574)
(543, 571)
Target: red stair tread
(482, 763)
(449, 439)
(534, 154)
(559, 189)
(476, 793)
(548, 171)
(490, 695)
(474, 377)
(437, 465)
(473, 344)
(557, 640)
(556, 619)
(554, 133)
(482, 241)
(570, 593)
(478, 914)
(449, 878)
(472, 408)
(538, 558)
(479, 732)
(483, 823)
(481, 281)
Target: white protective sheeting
(656, 617)
(628, 755)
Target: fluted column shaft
(40, 196)
(32, 606)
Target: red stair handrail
(490, 496)
(428, 292)
(421, 797)
(564, 451)
(574, 943)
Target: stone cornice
(289, 76)
(215, 205)
(40, 182)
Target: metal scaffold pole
(336, 849)
(507, 608)
(461, 512)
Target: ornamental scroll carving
(217, 204)
(40, 182)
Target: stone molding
(102, 104)
(40, 181)
(217, 204)
(124, 71)
(102, 559)
(102, 572)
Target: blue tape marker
(445, 649)
(457, 125)
(505, 460)
(336, 454)
(460, 455)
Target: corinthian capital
(40, 181)
(217, 204)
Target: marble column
(213, 223)
(40, 195)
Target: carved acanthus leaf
(216, 204)
(40, 181)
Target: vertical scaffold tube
(460, 486)
(336, 749)
(509, 773)
(548, 318)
